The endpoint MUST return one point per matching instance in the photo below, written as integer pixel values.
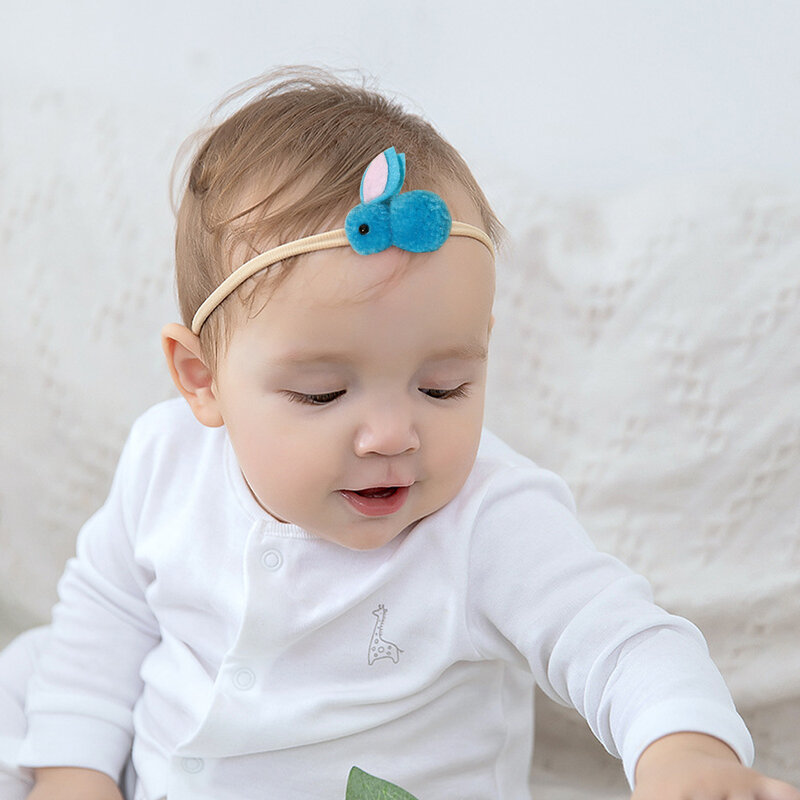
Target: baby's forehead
(334, 278)
(383, 312)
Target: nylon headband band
(308, 244)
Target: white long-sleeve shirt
(245, 658)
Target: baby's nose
(389, 431)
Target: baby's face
(354, 401)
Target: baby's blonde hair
(287, 164)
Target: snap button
(192, 765)
(244, 679)
(271, 559)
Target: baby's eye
(314, 399)
(447, 394)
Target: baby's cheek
(455, 450)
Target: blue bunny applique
(416, 221)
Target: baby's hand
(73, 783)
(701, 767)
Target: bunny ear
(383, 177)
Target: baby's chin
(371, 537)
(365, 541)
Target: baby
(316, 557)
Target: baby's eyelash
(330, 397)
(447, 394)
(314, 399)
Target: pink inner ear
(375, 177)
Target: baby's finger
(771, 789)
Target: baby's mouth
(376, 501)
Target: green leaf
(363, 786)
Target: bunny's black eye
(363, 229)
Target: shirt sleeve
(587, 626)
(81, 696)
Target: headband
(416, 221)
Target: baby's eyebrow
(468, 351)
(302, 358)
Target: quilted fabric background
(645, 348)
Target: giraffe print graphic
(378, 646)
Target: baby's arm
(695, 765)
(80, 698)
(73, 783)
(598, 643)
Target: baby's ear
(190, 372)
